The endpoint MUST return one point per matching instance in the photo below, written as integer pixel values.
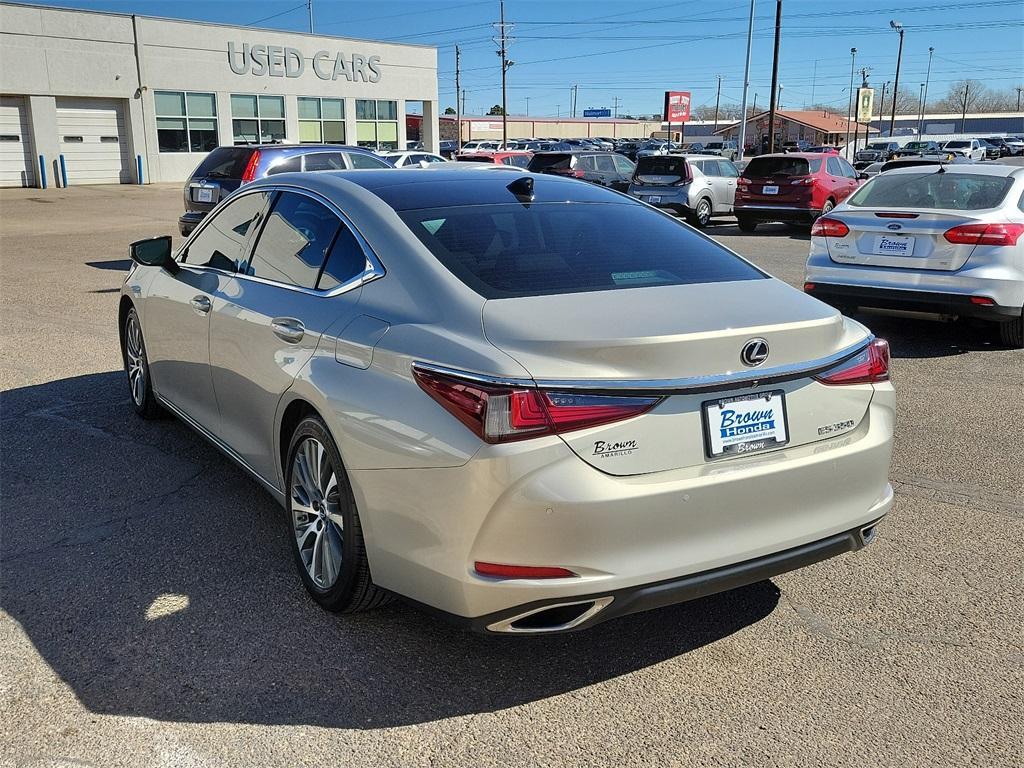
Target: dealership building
(106, 98)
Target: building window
(186, 121)
(377, 124)
(321, 121)
(257, 119)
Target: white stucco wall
(50, 52)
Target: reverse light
(501, 414)
(500, 571)
(985, 234)
(249, 174)
(826, 227)
(868, 366)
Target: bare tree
(974, 91)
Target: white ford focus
(530, 403)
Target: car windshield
(660, 169)
(512, 250)
(933, 190)
(763, 167)
(883, 145)
(225, 163)
(957, 144)
(916, 145)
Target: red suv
(795, 188)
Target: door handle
(201, 304)
(288, 329)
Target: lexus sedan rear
(528, 403)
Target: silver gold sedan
(527, 402)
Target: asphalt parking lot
(151, 614)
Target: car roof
(417, 188)
(980, 169)
(299, 148)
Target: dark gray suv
(225, 169)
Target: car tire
(745, 224)
(827, 208)
(326, 535)
(1012, 333)
(700, 217)
(136, 368)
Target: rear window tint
(553, 161)
(763, 167)
(225, 163)
(660, 169)
(511, 250)
(933, 189)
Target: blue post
(63, 173)
(138, 161)
(42, 172)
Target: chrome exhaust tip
(868, 534)
(557, 617)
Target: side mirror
(154, 252)
(863, 176)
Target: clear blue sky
(636, 50)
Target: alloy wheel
(317, 520)
(703, 212)
(135, 355)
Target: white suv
(972, 149)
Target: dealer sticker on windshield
(745, 424)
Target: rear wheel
(701, 215)
(827, 208)
(1012, 333)
(746, 224)
(327, 539)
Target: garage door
(94, 140)
(16, 166)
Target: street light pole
(746, 86)
(920, 111)
(775, 76)
(718, 95)
(927, 79)
(896, 83)
(849, 109)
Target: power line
(274, 16)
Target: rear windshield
(512, 250)
(763, 167)
(478, 159)
(225, 163)
(660, 169)
(933, 189)
(552, 162)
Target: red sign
(677, 106)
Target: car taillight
(249, 174)
(985, 234)
(577, 173)
(802, 181)
(826, 227)
(500, 414)
(869, 365)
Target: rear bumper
(189, 220)
(766, 212)
(602, 606)
(912, 301)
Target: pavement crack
(960, 494)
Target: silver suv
(939, 239)
(696, 186)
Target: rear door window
(624, 165)
(833, 167)
(298, 233)
(361, 160)
(325, 161)
(507, 251)
(345, 261)
(290, 165)
(605, 164)
(222, 242)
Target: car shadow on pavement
(918, 338)
(155, 578)
(114, 265)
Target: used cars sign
(278, 61)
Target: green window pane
(309, 132)
(387, 110)
(366, 110)
(170, 123)
(243, 106)
(309, 108)
(334, 132)
(202, 124)
(202, 105)
(366, 132)
(387, 131)
(334, 109)
(271, 106)
(169, 102)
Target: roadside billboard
(677, 107)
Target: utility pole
(927, 79)
(1019, 89)
(814, 80)
(775, 77)
(881, 107)
(527, 106)
(856, 126)
(896, 83)
(615, 106)
(309, 7)
(458, 105)
(849, 109)
(505, 64)
(718, 95)
(574, 94)
(920, 110)
(463, 101)
(963, 116)
(746, 86)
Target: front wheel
(1012, 333)
(136, 366)
(327, 539)
(701, 215)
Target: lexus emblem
(894, 227)
(754, 353)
